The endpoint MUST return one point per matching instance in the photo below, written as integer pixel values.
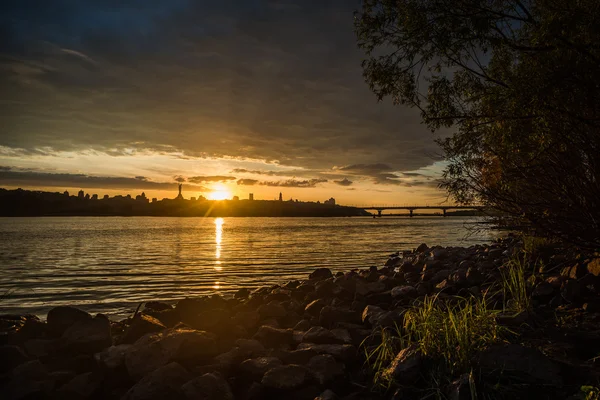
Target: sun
(220, 192)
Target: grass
(514, 286)
(449, 335)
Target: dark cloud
(43, 179)
(275, 80)
(216, 178)
(179, 179)
(141, 178)
(247, 182)
(366, 169)
(343, 182)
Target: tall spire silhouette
(180, 196)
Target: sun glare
(220, 192)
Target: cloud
(309, 183)
(343, 182)
(247, 182)
(216, 178)
(43, 179)
(271, 81)
(365, 169)
(179, 179)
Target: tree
(518, 82)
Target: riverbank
(508, 320)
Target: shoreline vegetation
(515, 319)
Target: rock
(62, 317)
(474, 277)
(461, 388)
(273, 337)
(406, 367)
(302, 325)
(440, 276)
(242, 293)
(314, 307)
(330, 316)
(169, 317)
(11, 357)
(327, 395)
(432, 265)
(29, 380)
(342, 335)
(320, 274)
(324, 368)
(342, 352)
(247, 319)
(272, 310)
(112, 357)
(162, 383)
(208, 387)
(526, 363)
(408, 267)
(422, 248)
(250, 347)
(319, 335)
(82, 386)
(593, 267)
(38, 348)
(543, 289)
(572, 291)
(438, 253)
(407, 292)
(158, 349)
(141, 325)
(255, 368)
(299, 357)
(287, 377)
(89, 335)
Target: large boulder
(324, 368)
(112, 357)
(88, 335)
(162, 383)
(62, 317)
(177, 345)
(287, 377)
(406, 367)
(208, 387)
(83, 386)
(255, 368)
(11, 357)
(331, 316)
(141, 325)
(522, 362)
(342, 352)
(274, 337)
(320, 335)
(320, 274)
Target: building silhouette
(179, 196)
(251, 196)
(280, 196)
(94, 197)
(66, 193)
(81, 194)
(330, 202)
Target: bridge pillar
(379, 213)
(411, 212)
(443, 209)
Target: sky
(124, 96)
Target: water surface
(110, 264)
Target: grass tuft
(514, 286)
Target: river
(111, 264)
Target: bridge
(410, 209)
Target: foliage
(514, 286)
(518, 81)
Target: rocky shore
(318, 338)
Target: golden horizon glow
(220, 192)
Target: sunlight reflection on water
(111, 264)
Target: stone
(158, 349)
(422, 248)
(325, 288)
(286, 377)
(432, 265)
(38, 348)
(299, 357)
(327, 395)
(11, 356)
(406, 367)
(342, 335)
(247, 319)
(242, 293)
(84, 386)
(250, 347)
(302, 325)
(255, 368)
(543, 289)
(112, 357)
(157, 306)
(320, 274)
(342, 352)
(438, 253)
(406, 292)
(62, 317)
(208, 387)
(324, 368)
(440, 276)
(141, 325)
(162, 383)
(29, 380)
(319, 335)
(330, 316)
(527, 363)
(272, 310)
(474, 277)
(88, 335)
(593, 267)
(274, 337)
(408, 267)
